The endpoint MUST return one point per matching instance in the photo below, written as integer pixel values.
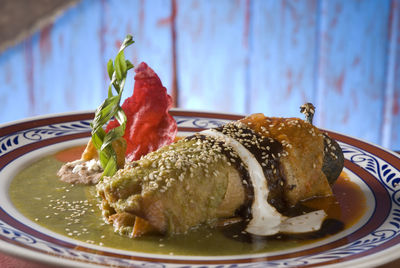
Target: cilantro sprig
(110, 108)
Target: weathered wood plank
(282, 56)
(15, 96)
(391, 113)
(352, 66)
(211, 53)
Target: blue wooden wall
(240, 56)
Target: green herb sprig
(117, 71)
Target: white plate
(373, 240)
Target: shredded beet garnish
(149, 125)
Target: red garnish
(149, 125)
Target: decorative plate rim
(84, 116)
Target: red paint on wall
(164, 21)
(103, 28)
(45, 45)
(283, 10)
(327, 38)
(390, 19)
(338, 84)
(195, 5)
(333, 22)
(168, 21)
(289, 78)
(289, 74)
(61, 40)
(355, 98)
(356, 61)
(371, 78)
(175, 85)
(8, 75)
(247, 18)
(69, 96)
(289, 89)
(29, 75)
(346, 116)
(117, 44)
(142, 19)
(396, 104)
(103, 32)
(338, 8)
(304, 97)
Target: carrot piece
(142, 227)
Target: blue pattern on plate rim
(18, 139)
(386, 174)
(21, 138)
(199, 122)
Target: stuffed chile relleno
(253, 169)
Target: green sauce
(71, 210)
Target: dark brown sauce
(350, 203)
(344, 209)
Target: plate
(373, 240)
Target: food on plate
(252, 170)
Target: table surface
(11, 262)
